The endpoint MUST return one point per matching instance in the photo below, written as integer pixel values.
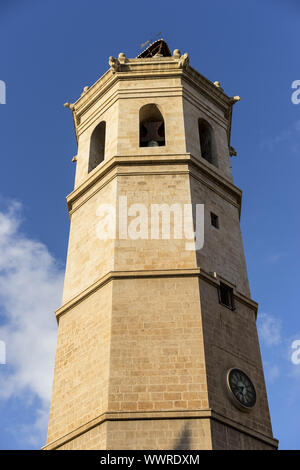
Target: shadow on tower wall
(184, 439)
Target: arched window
(152, 126)
(97, 146)
(207, 142)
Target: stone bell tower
(157, 344)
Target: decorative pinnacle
(69, 105)
(235, 99)
(122, 58)
(176, 54)
(183, 61)
(218, 85)
(114, 64)
(85, 89)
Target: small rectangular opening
(226, 296)
(214, 220)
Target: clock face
(242, 388)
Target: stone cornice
(118, 275)
(164, 67)
(196, 168)
(160, 415)
(147, 68)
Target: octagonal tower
(157, 341)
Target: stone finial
(235, 99)
(114, 64)
(218, 85)
(85, 89)
(184, 61)
(69, 105)
(176, 54)
(74, 159)
(122, 58)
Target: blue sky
(49, 51)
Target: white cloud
(269, 329)
(30, 290)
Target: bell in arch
(152, 128)
(153, 143)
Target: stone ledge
(139, 68)
(158, 159)
(159, 415)
(114, 275)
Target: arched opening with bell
(152, 126)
